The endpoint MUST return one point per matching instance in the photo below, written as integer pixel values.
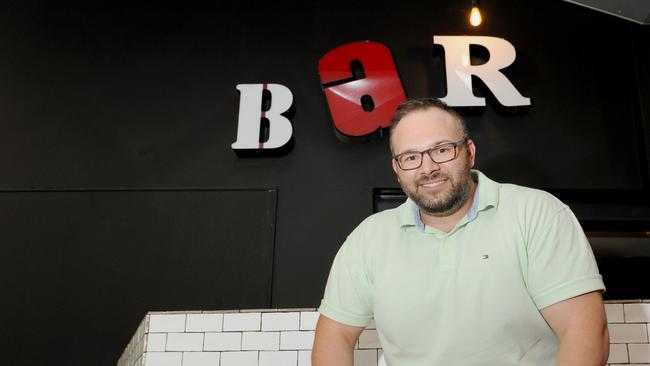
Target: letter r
(459, 71)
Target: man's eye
(442, 150)
(410, 157)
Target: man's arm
(581, 326)
(334, 343)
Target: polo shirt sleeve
(561, 264)
(347, 296)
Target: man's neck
(447, 222)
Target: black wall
(115, 159)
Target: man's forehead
(425, 128)
(435, 116)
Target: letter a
(251, 139)
(362, 87)
(459, 71)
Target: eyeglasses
(438, 154)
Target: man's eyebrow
(435, 144)
(441, 142)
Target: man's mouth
(433, 182)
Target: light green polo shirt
(471, 296)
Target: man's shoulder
(380, 223)
(532, 200)
(388, 217)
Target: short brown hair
(421, 104)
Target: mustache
(430, 178)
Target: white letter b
(251, 114)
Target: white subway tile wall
(163, 359)
(308, 320)
(164, 323)
(278, 337)
(248, 358)
(201, 358)
(637, 313)
(382, 360)
(300, 340)
(204, 323)
(278, 358)
(365, 357)
(156, 342)
(242, 322)
(639, 353)
(614, 313)
(617, 354)
(184, 342)
(280, 321)
(304, 358)
(222, 341)
(260, 341)
(628, 333)
(369, 339)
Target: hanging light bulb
(475, 17)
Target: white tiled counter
(234, 338)
(629, 332)
(285, 338)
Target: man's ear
(471, 152)
(395, 167)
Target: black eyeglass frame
(428, 152)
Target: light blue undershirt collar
(471, 214)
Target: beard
(446, 202)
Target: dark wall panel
(80, 269)
(641, 40)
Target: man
(467, 271)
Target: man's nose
(428, 165)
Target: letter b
(253, 137)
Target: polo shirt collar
(486, 196)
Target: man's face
(438, 189)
